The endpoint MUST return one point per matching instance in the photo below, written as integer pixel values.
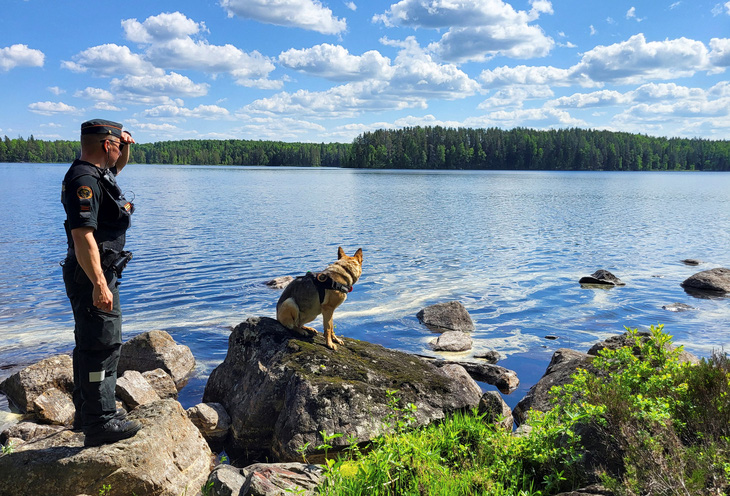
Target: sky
(329, 70)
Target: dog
(314, 293)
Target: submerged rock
(449, 316)
(677, 307)
(691, 261)
(281, 391)
(602, 277)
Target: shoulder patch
(84, 193)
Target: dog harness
(324, 282)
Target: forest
(421, 148)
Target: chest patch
(84, 193)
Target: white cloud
(631, 14)
(412, 79)
(172, 47)
(97, 94)
(276, 128)
(335, 62)
(592, 30)
(545, 118)
(20, 56)
(720, 52)
(603, 98)
(720, 9)
(674, 5)
(477, 29)
(637, 60)
(56, 90)
(351, 6)
(172, 84)
(107, 107)
(515, 96)
(160, 28)
(417, 75)
(526, 75)
(305, 14)
(109, 60)
(208, 112)
(51, 108)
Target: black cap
(101, 126)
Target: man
(97, 217)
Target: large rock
(281, 391)
(449, 316)
(157, 350)
(162, 383)
(168, 457)
(563, 364)
(710, 282)
(23, 387)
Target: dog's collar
(324, 282)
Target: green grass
(666, 424)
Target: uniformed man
(97, 218)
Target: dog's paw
(332, 346)
(337, 340)
(311, 331)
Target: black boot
(110, 432)
(120, 414)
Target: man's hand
(127, 138)
(87, 254)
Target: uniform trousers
(98, 338)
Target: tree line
(421, 148)
(528, 149)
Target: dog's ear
(340, 253)
(358, 255)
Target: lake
(511, 246)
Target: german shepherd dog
(309, 295)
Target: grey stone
(490, 356)
(157, 350)
(677, 307)
(505, 379)
(452, 341)
(23, 387)
(563, 364)
(54, 407)
(280, 282)
(226, 480)
(213, 422)
(134, 390)
(708, 282)
(691, 261)
(496, 411)
(269, 479)
(602, 277)
(449, 316)
(162, 383)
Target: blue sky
(328, 70)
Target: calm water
(511, 246)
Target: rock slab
(449, 316)
(452, 341)
(281, 390)
(168, 457)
